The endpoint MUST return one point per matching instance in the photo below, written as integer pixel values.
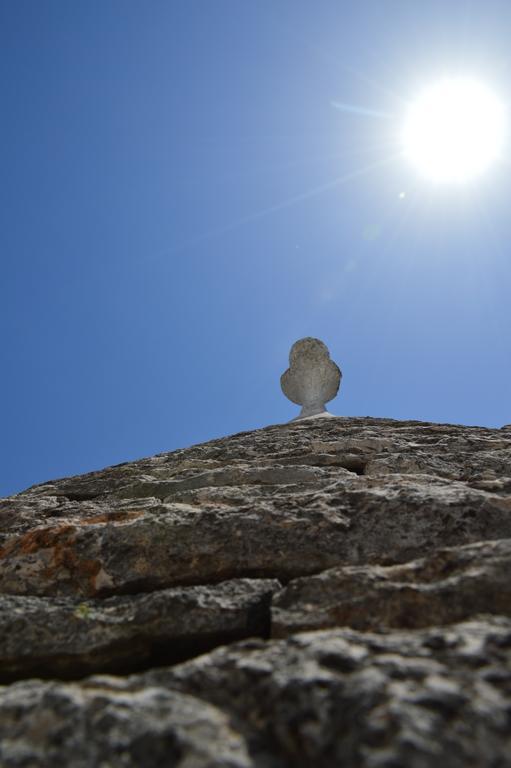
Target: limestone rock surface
(447, 586)
(375, 553)
(65, 637)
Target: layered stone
(381, 536)
(68, 638)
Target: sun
(454, 130)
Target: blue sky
(181, 201)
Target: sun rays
(451, 132)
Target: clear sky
(182, 199)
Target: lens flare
(454, 130)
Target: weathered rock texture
(391, 540)
(445, 587)
(68, 638)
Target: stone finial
(312, 378)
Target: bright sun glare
(454, 130)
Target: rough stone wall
(329, 592)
